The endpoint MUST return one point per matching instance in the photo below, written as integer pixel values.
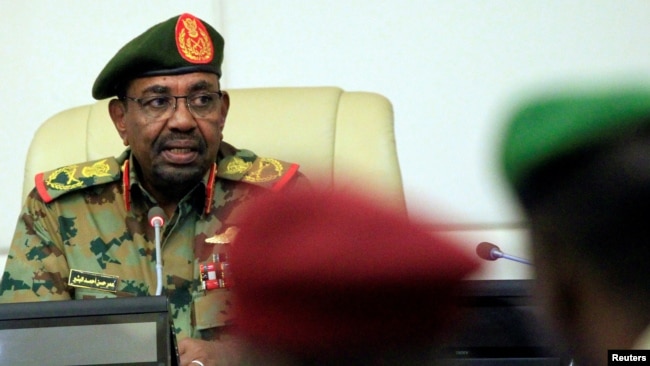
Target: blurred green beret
(179, 45)
(551, 125)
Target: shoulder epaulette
(57, 182)
(269, 173)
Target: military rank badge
(96, 281)
(215, 275)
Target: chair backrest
(343, 138)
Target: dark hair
(595, 203)
(121, 88)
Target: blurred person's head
(579, 163)
(333, 278)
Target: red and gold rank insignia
(193, 41)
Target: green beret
(180, 45)
(552, 125)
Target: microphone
(157, 220)
(491, 252)
(156, 216)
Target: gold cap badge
(193, 41)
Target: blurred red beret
(320, 272)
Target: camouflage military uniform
(92, 217)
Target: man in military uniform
(84, 230)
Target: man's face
(174, 151)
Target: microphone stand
(157, 220)
(500, 254)
(159, 267)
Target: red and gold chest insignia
(193, 41)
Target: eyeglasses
(200, 105)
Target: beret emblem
(193, 41)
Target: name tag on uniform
(97, 281)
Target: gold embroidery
(194, 41)
(224, 238)
(71, 181)
(99, 169)
(190, 25)
(237, 166)
(268, 170)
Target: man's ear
(225, 106)
(117, 111)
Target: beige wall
(451, 69)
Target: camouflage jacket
(87, 224)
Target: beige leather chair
(343, 138)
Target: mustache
(197, 142)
